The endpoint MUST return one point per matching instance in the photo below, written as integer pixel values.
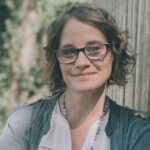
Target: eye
(93, 48)
(66, 51)
(96, 50)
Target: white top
(59, 135)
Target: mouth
(84, 74)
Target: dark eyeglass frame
(83, 49)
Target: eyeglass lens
(93, 52)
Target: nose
(82, 61)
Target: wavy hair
(105, 22)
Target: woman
(86, 53)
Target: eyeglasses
(97, 51)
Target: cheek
(107, 62)
(106, 66)
(109, 65)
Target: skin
(85, 79)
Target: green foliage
(64, 7)
(11, 16)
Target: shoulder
(42, 101)
(128, 115)
(122, 111)
(22, 117)
(17, 130)
(48, 101)
(132, 126)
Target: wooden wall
(133, 15)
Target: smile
(84, 74)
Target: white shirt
(59, 135)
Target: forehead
(79, 33)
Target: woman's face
(84, 74)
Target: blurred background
(23, 73)
(23, 26)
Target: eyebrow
(88, 43)
(67, 46)
(95, 42)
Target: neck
(80, 104)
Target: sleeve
(16, 131)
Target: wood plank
(133, 15)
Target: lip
(84, 74)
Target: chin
(86, 89)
